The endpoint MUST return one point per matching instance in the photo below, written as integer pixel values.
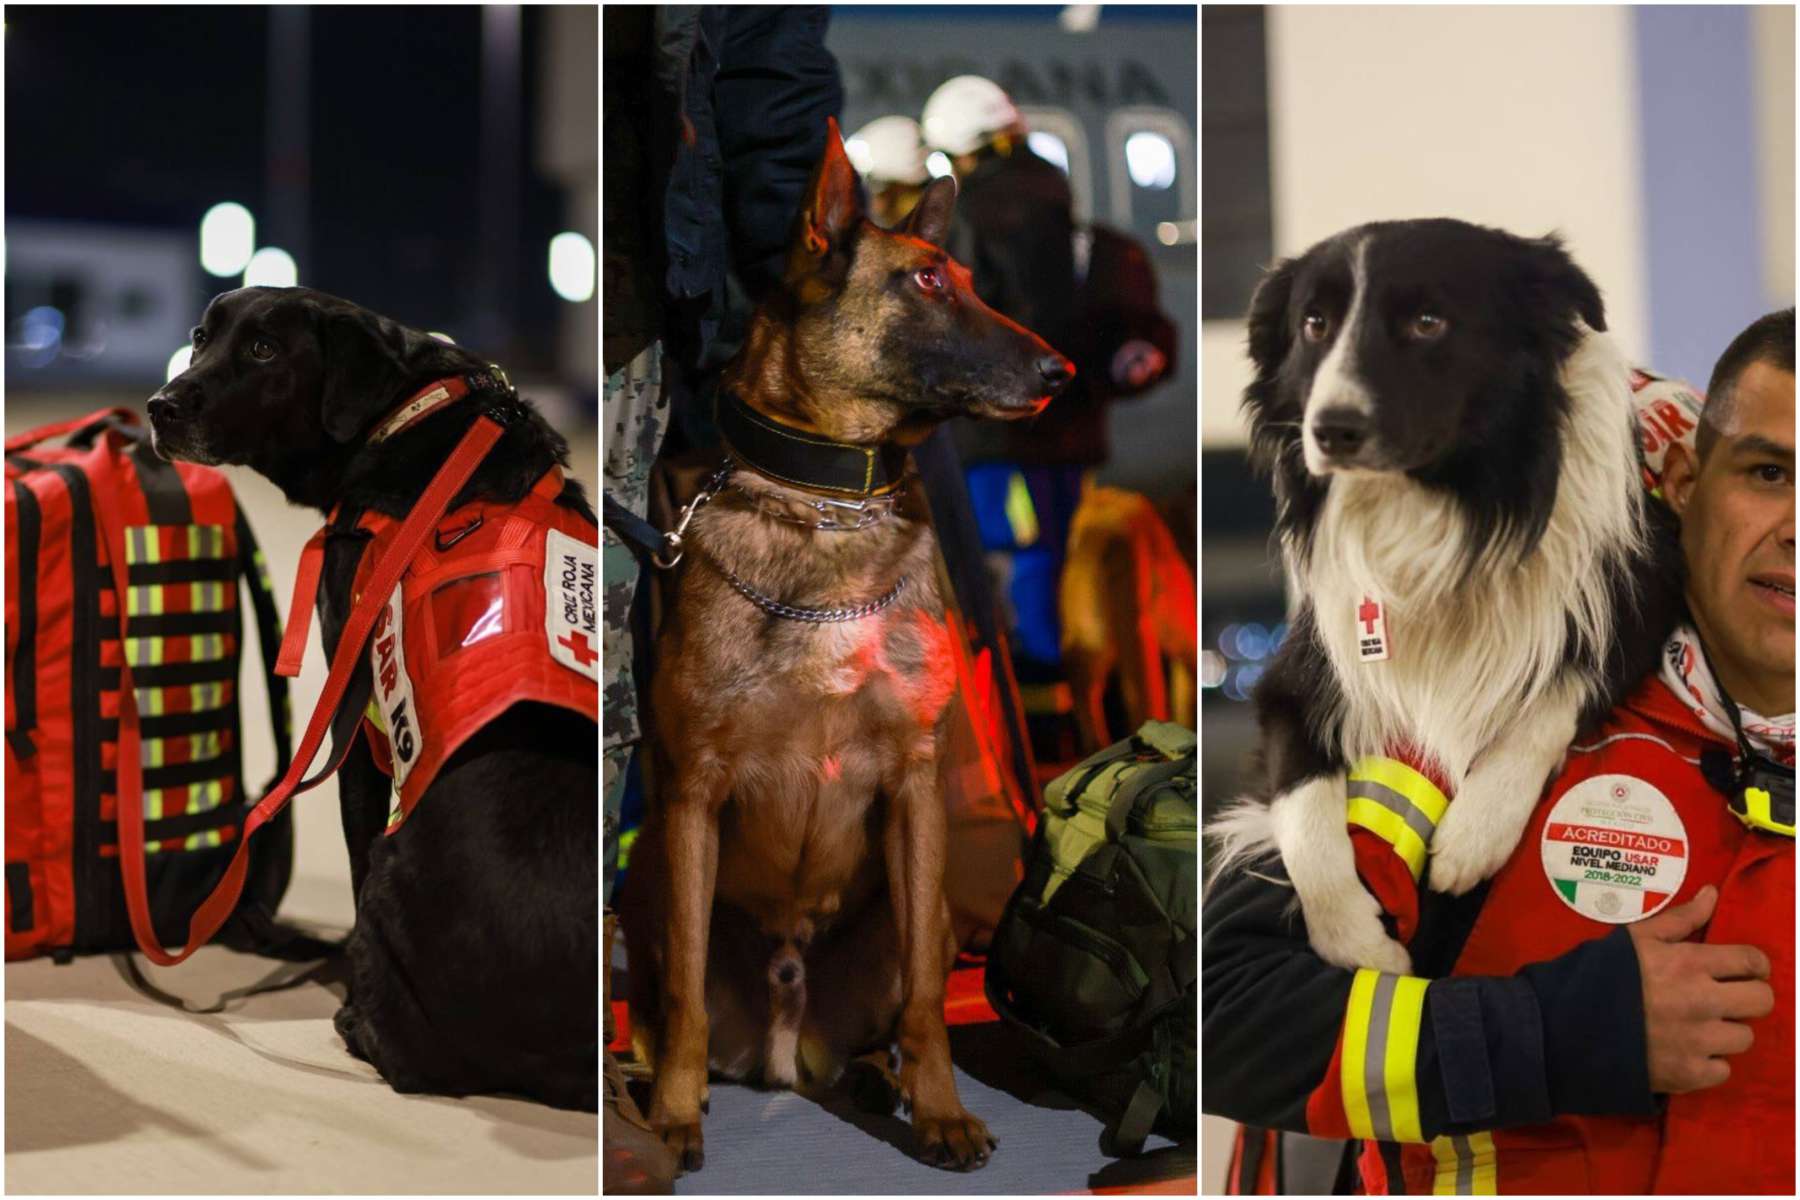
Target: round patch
(1615, 849)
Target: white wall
(1522, 117)
(1772, 47)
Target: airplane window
(1150, 158)
(1050, 148)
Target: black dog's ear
(1563, 284)
(929, 219)
(1268, 320)
(369, 363)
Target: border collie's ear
(1564, 284)
(1269, 333)
(929, 219)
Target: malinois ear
(929, 219)
(834, 204)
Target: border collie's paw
(1349, 933)
(1468, 850)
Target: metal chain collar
(869, 511)
(796, 612)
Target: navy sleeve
(776, 85)
(1560, 1038)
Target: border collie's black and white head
(1433, 348)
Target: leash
(217, 908)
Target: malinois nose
(1056, 370)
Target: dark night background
(142, 118)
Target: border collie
(1449, 433)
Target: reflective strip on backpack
(1381, 1048)
(1466, 1165)
(158, 651)
(172, 543)
(1398, 805)
(189, 698)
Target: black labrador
(474, 954)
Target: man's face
(1737, 532)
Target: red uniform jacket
(1629, 827)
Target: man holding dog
(1581, 1022)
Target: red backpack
(186, 546)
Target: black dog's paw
(348, 1024)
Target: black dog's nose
(787, 973)
(169, 402)
(1056, 371)
(1341, 431)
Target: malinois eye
(262, 349)
(1426, 326)
(1315, 326)
(929, 278)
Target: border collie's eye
(1315, 326)
(262, 349)
(1427, 326)
(929, 279)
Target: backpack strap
(255, 572)
(84, 428)
(21, 659)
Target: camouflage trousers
(636, 414)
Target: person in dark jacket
(1091, 293)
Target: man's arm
(1291, 1042)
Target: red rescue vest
(498, 607)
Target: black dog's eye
(1315, 326)
(262, 349)
(1427, 326)
(929, 278)
(198, 338)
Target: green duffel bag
(1095, 957)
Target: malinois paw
(873, 1087)
(956, 1143)
(684, 1142)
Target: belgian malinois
(785, 912)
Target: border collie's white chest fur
(1464, 652)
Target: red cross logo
(1368, 614)
(578, 646)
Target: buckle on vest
(1766, 799)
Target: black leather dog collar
(803, 459)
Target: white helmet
(964, 112)
(888, 150)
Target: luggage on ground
(186, 546)
(1095, 958)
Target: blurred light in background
(443, 337)
(227, 236)
(1150, 159)
(1050, 148)
(858, 152)
(178, 362)
(1212, 668)
(1079, 18)
(572, 267)
(37, 337)
(939, 165)
(271, 267)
